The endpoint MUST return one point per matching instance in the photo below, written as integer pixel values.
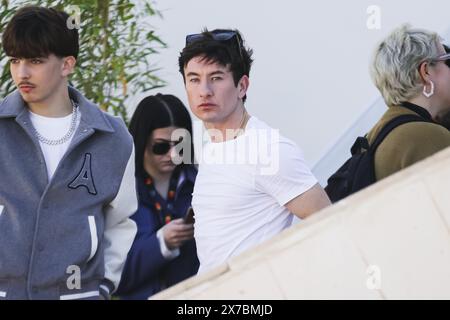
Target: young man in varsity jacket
(66, 172)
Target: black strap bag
(358, 172)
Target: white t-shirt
(53, 129)
(241, 189)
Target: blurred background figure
(164, 251)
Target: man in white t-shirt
(250, 178)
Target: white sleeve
(166, 252)
(120, 230)
(292, 176)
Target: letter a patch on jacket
(84, 178)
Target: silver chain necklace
(66, 137)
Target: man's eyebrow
(192, 74)
(216, 72)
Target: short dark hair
(38, 32)
(154, 112)
(226, 53)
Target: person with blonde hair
(411, 69)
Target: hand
(177, 232)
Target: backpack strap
(391, 125)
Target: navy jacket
(146, 271)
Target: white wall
(310, 76)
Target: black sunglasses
(161, 148)
(444, 58)
(218, 36)
(447, 61)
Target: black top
(417, 109)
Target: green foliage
(117, 45)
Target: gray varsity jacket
(66, 238)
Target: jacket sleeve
(145, 258)
(120, 230)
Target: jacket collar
(187, 175)
(417, 109)
(13, 106)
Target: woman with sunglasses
(411, 69)
(164, 251)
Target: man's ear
(243, 85)
(68, 65)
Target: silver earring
(428, 94)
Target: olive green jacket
(406, 144)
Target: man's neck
(230, 128)
(54, 107)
